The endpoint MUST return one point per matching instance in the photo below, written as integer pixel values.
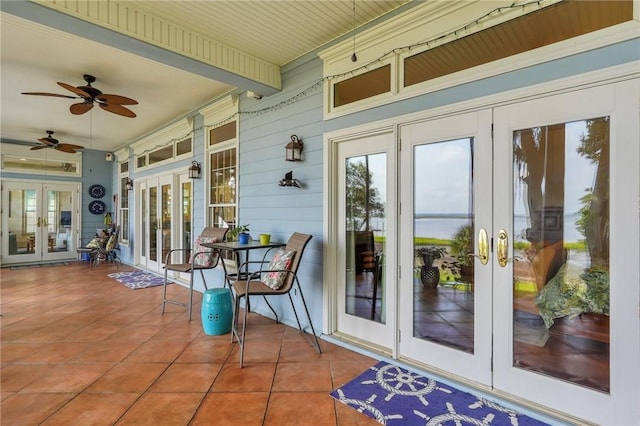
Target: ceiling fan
(50, 142)
(90, 95)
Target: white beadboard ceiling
(35, 55)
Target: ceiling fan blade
(116, 99)
(65, 148)
(48, 141)
(49, 94)
(80, 108)
(118, 109)
(75, 90)
(72, 146)
(39, 147)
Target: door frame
(626, 410)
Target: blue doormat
(137, 279)
(394, 396)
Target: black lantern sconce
(294, 149)
(194, 170)
(128, 185)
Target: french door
(156, 221)
(517, 250)
(166, 204)
(39, 222)
(364, 231)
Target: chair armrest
(170, 252)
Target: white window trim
(163, 138)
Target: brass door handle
(503, 248)
(39, 222)
(483, 246)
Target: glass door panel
(59, 221)
(153, 224)
(561, 240)
(165, 208)
(185, 217)
(365, 236)
(443, 230)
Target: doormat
(137, 279)
(39, 265)
(394, 396)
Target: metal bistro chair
(277, 279)
(201, 258)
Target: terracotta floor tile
(31, 408)
(225, 409)
(157, 351)
(72, 377)
(254, 377)
(135, 332)
(129, 378)
(15, 377)
(95, 332)
(57, 352)
(300, 351)
(191, 377)
(178, 331)
(107, 352)
(300, 408)
(257, 351)
(93, 409)
(10, 352)
(302, 377)
(206, 350)
(162, 409)
(345, 371)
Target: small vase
(430, 276)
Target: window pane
(183, 147)
(161, 154)
(223, 133)
(362, 86)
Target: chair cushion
(281, 260)
(207, 259)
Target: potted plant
(461, 267)
(429, 273)
(240, 233)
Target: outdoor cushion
(207, 258)
(281, 260)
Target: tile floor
(78, 348)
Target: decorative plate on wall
(97, 207)
(97, 191)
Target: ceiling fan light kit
(90, 96)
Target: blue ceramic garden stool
(217, 311)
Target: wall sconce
(128, 184)
(294, 149)
(289, 180)
(194, 170)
